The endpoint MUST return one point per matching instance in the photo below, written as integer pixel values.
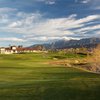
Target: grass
(29, 77)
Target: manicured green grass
(30, 77)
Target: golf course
(32, 76)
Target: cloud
(49, 39)
(49, 2)
(97, 8)
(94, 4)
(82, 1)
(6, 14)
(12, 39)
(35, 27)
(90, 28)
(25, 20)
(85, 1)
(6, 10)
(30, 25)
(3, 18)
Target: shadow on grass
(50, 92)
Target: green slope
(28, 77)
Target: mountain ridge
(62, 44)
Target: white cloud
(12, 39)
(82, 1)
(60, 26)
(85, 1)
(98, 32)
(30, 24)
(6, 10)
(25, 20)
(87, 29)
(49, 2)
(87, 19)
(15, 24)
(46, 39)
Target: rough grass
(66, 55)
(28, 77)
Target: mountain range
(63, 44)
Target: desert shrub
(94, 59)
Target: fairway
(31, 77)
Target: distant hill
(62, 44)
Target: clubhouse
(18, 49)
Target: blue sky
(27, 22)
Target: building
(18, 49)
(2, 50)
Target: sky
(29, 22)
